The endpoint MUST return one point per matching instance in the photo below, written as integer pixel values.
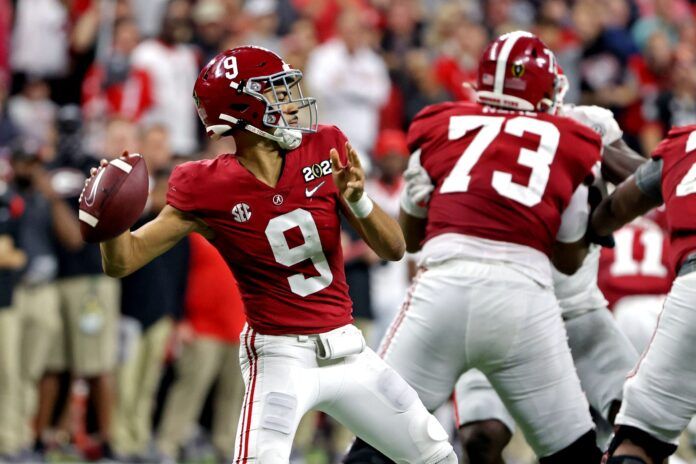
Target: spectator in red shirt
(459, 63)
(112, 88)
(209, 339)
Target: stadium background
(82, 79)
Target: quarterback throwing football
(272, 210)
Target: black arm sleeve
(649, 179)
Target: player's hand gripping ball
(113, 197)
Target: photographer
(47, 219)
(11, 260)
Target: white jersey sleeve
(579, 292)
(575, 217)
(599, 119)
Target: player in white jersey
(603, 355)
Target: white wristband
(361, 208)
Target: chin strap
(287, 139)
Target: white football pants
(603, 358)
(637, 317)
(461, 315)
(660, 395)
(284, 379)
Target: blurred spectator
(90, 300)
(552, 27)
(388, 279)
(263, 24)
(421, 86)
(664, 17)
(11, 260)
(5, 34)
(155, 148)
(150, 15)
(350, 81)
(33, 111)
(50, 17)
(48, 219)
(604, 76)
(209, 17)
(151, 299)
(8, 129)
(458, 64)
(403, 32)
(652, 72)
(507, 15)
(322, 13)
(209, 343)
(299, 43)
(172, 67)
(675, 105)
(111, 87)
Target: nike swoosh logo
(89, 199)
(309, 193)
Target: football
(114, 198)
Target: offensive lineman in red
(505, 182)
(272, 210)
(660, 394)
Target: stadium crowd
(146, 368)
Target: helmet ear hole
(241, 107)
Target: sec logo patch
(241, 212)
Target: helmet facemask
(561, 89)
(278, 91)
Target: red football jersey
(678, 152)
(499, 174)
(282, 244)
(639, 263)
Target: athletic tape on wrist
(361, 208)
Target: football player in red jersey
(272, 210)
(509, 198)
(602, 353)
(635, 275)
(660, 393)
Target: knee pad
(584, 450)
(395, 389)
(279, 412)
(658, 450)
(430, 438)
(362, 453)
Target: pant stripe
(455, 405)
(400, 317)
(245, 337)
(243, 442)
(645, 351)
(251, 397)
